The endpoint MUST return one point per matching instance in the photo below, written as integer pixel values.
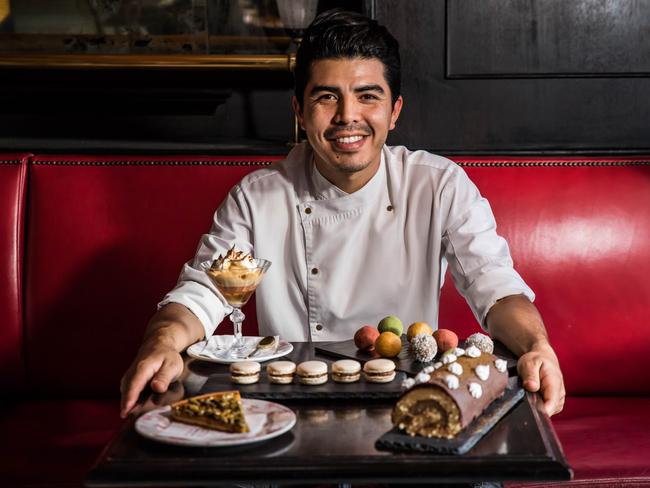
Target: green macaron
(391, 324)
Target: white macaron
(245, 372)
(281, 372)
(312, 372)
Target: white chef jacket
(341, 260)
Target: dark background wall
(488, 76)
(523, 75)
(145, 110)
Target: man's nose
(346, 111)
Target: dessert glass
(237, 284)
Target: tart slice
(222, 410)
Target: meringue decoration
(475, 390)
(455, 368)
(482, 371)
(501, 365)
(448, 357)
(473, 352)
(452, 381)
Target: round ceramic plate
(265, 420)
(211, 353)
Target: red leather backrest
(13, 170)
(579, 234)
(106, 239)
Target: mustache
(342, 131)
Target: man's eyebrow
(323, 88)
(334, 89)
(365, 88)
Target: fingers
(541, 373)
(168, 372)
(528, 368)
(552, 389)
(134, 382)
(132, 386)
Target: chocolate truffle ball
(425, 348)
(482, 341)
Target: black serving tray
(396, 440)
(405, 361)
(265, 390)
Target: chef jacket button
(307, 210)
(389, 208)
(314, 271)
(319, 326)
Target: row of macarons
(314, 372)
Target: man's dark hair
(337, 34)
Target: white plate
(222, 342)
(266, 420)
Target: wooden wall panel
(532, 112)
(548, 38)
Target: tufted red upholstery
(105, 237)
(105, 243)
(580, 236)
(13, 170)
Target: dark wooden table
(332, 442)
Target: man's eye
(369, 96)
(327, 97)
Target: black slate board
(396, 440)
(403, 362)
(264, 390)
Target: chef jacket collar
(325, 190)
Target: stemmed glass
(237, 284)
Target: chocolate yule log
(446, 397)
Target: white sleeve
(479, 259)
(194, 290)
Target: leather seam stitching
(551, 163)
(154, 163)
(586, 163)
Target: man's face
(347, 113)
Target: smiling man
(356, 230)
(347, 111)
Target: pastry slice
(222, 410)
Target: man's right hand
(157, 366)
(159, 362)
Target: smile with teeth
(349, 140)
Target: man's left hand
(539, 370)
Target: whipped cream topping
(473, 352)
(429, 369)
(475, 390)
(451, 381)
(455, 368)
(437, 365)
(501, 365)
(234, 260)
(482, 371)
(459, 352)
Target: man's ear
(397, 108)
(298, 111)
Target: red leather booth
(89, 245)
